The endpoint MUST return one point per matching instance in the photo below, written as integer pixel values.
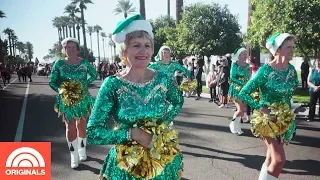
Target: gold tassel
(71, 95)
(149, 163)
(276, 124)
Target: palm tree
(9, 33)
(125, 7)
(143, 9)
(82, 5)
(112, 44)
(2, 15)
(179, 5)
(72, 9)
(90, 31)
(21, 47)
(78, 22)
(14, 39)
(56, 22)
(97, 28)
(168, 9)
(65, 22)
(103, 35)
(29, 47)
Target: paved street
(210, 150)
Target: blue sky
(32, 19)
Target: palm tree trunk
(70, 31)
(91, 41)
(66, 31)
(10, 47)
(98, 46)
(78, 31)
(74, 31)
(83, 31)
(111, 55)
(104, 54)
(125, 15)
(59, 35)
(179, 5)
(168, 9)
(142, 9)
(114, 50)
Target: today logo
(27, 160)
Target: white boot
(82, 143)
(264, 169)
(73, 148)
(232, 125)
(238, 125)
(264, 175)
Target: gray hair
(132, 35)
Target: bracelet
(129, 134)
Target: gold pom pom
(149, 163)
(187, 86)
(71, 93)
(276, 124)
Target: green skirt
(111, 171)
(82, 109)
(234, 91)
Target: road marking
(19, 131)
(9, 83)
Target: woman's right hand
(265, 110)
(141, 137)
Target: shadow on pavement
(311, 167)
(297, 140)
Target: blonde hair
(132, 35)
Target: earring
(124, 58)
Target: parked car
(41, 70)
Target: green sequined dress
(239, 76)
(61, 72)
(275, 86)
(129, 102)
(170, 68)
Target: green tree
(206, 30)
(56, 22)
(159, 26)
(103, 35)
(125, 7)
(299, 17)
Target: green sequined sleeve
(55, 81)
(175, 99)
(92, 72)
(185, 71)
(233, 75)
(98, 131)
(253, 84)
(154, 66)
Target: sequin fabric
(61, 72)
(128, 103)
(239, 76)
(274, 86)
(170, 68)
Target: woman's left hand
(141, 137)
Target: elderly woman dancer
(73, 105)
(276, 81)
(239, 76)
(136, 97)
(164, 63)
